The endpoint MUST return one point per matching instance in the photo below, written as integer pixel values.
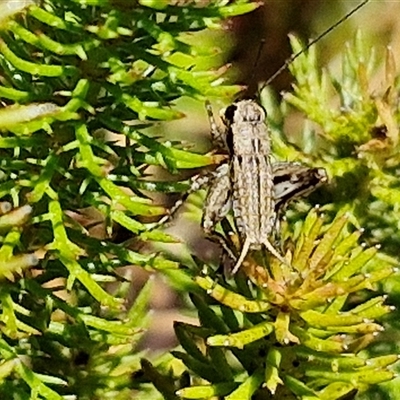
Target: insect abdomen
(253, 197)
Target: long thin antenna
(319, 37)
(259, 52)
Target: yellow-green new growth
(304, 327)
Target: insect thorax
(247, 133)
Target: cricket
(249, 184)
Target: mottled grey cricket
(248, 184)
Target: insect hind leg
(217, 206)
(220, 239)
(218, 202)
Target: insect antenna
(290, 60)
(254, 69)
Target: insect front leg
(217, 135)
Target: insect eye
(229, 114)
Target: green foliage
(297, 331)
(303, 330)
(79, 83)
(75, 76)
(358, 139)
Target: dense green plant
(74, 75)
(302, 331)
(79, 83)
